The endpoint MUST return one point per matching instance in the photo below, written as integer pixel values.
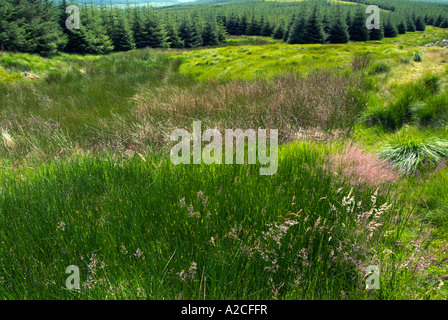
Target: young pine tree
(173, 38)
(339, 31)
(278, 32)
(288, 28)
(222, 33)
(41, 20)
(210, 35)
(189, 33)
(100, 43)
(157, 37)
(233, 25)
(243, 25)
(376, 34)
(122, 37)
(14, 30)
(390, 30)
(358, 30)
(253, 27)
(419, 24)
(139, 31)
(266, 29)
(410, 26)
(401, 28)
(444, 24)
(438, 21)
(297, 31)
(314, 29)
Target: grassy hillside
(86, 177)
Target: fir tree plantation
(38, 26)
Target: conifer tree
(13, 32)
(390, 31)
(139, 31)
(410, 26)
(99, 41)
(232, 25)
(243, 25)
(444, 24)
(358, 30)
(288, 28)
(339, 31)
(189, 33)
(156, 34)
(122, 38)
(376, 34)
(266, 29)
(349, 20)
(419, 24)
(401, 28)
(173, 38)
(438, 21)
(278, 32)
(297, 32)
(314, 29)
(222, 33)
(38, 22)
(326, 23)
(210, 36)
(253, 27)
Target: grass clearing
(86, 178)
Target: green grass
(256, 61)
(291, 235)
(86, 178)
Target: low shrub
(418, 56)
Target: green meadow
(86, 178)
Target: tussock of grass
(394, 115)
(411, 150)
(431, 112)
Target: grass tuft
(411, 150)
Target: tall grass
(147, 229)
(399, 111)
(134, 101)
(287, 102)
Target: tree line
(39, 26)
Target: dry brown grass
(288, 103)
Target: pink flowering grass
(363, 168)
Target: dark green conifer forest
(38, 26)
